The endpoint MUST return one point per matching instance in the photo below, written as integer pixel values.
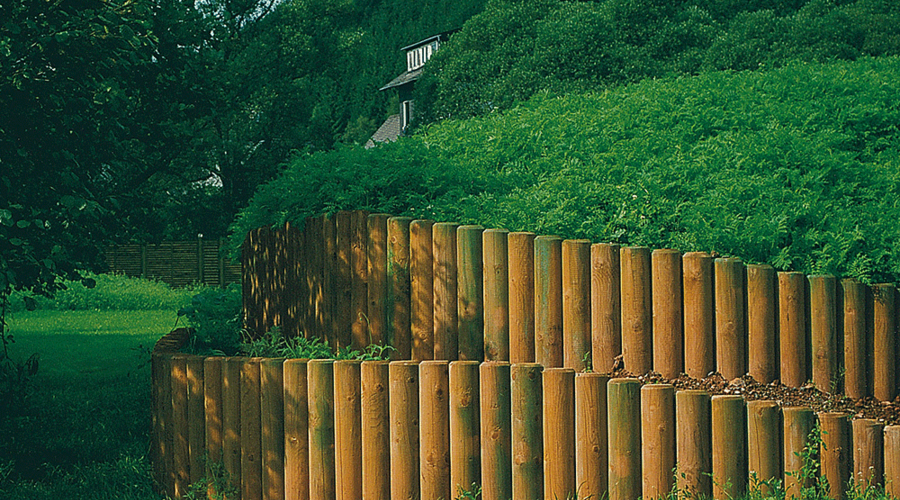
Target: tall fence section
(495, 332)
(178, 263)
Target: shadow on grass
(81, 431)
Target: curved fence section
(502, 375)
(451, 292)
(256, 428)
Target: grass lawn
(83, 430)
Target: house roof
(403, 79)
(389, 131)
(441, 36)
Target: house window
(405, 115)
(416, 58)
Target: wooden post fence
(325, 429)
(426, 425)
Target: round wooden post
(434, 424)
(891, 463)
(303, 284)
(271, 396)
(668, 331)
(694, 442)
(342, 290)
(162, 409)
(496, 294)
(359, 292)
(591, 439)
(312, 240)
(764, 450)
(446, 344)
(496, 444)
(527, 431)
(855, 364)
(792, 326)
(213, 405)
(398, 302)
(559, 432)
(470, 298)
(762, 326)
(823, 332)
(521, 297)
(320, 373)
(231, 419)
(376, 431)
(637, 314)
(296, 430)
(835, 453)
(606, 306)
(576, 284)
(699, 314)
(657, 439)
(624, 413)
(347, 429)
(421, 275)
(798, 423)
(376, 250)
(251, 430)
(884, 375)
(196, 417)
(868, 453)
(329, 250)
(731, 325)
(404, 402)
(180, 446)
(729, 447)
(465, 427)
(548, 321)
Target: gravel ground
(887, 413)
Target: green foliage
(215, 317)
(82, 432)
(513, 50)
(395, 178)
(796, 167)
(107, 292)
(472, 493)
(273, 344)
(216, 477)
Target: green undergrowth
(108, 292)
(214, 316)
(797, 167)
(80, 428)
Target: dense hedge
(516, 48)
(798, 167)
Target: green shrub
(214, 315)
(513, 50)
(108, 292)
(798, 167)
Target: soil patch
(887, 413)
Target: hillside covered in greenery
(513, 49)
(798, 167)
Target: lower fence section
(256, 428)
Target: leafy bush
(396, 179)
(215, 317)
(798, 167)
(512, 50)
(108, 292)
